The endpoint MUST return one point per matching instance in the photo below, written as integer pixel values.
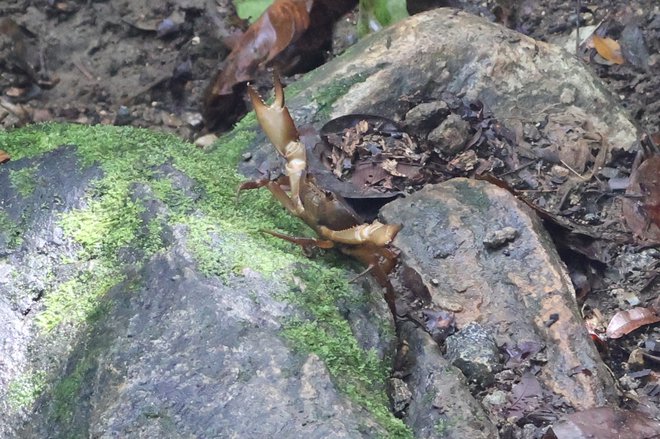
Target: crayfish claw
(375, 233)
(274, 119)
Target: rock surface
(443, 50)
(169, 350)
(520, 292)
(441, 404)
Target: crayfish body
(328, 214)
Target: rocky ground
(118, 69)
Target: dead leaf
(608, 48)
(641, 207)
(390, 166)
(521, 352)
(4, 157)
(526, 397)
(624, 322)
(280, 25)
(605, 423)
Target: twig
(83, 69)
(577, 28)
(573, 171)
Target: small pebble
(500, 237)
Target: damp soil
(147, 63)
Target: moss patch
(24, 391)
(24, 180)
(329, 95)
(358, 373)
(12, 232)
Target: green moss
(329, 95)
(441, 426)
(358, 373)
(12, 232)
(24, 180)
(66, 391)
(224, 236)
(24, 391)
(75, 300)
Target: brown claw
(278, 125)
(275, 119)
(375, 233)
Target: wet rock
(170, 351)
(123, 116)
(498, 238)
(450, 136)
(522, 295)
(425, 116)
(400, 396)
(441, 405)
(474, 351)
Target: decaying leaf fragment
(608, 48)
(624, 322)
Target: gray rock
(474, 351)
(425, 116)
(441, 405)
(169, 351)
(450, 136)
(522, 295)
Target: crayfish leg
(307, 244)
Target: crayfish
(328, 214)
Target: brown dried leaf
(624, 322)
(362, 127)
(390, 166)
(641, 209)
(605, 423)
(4, 157)
(609, 49)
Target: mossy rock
(135, 267)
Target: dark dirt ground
(106, 62)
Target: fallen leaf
(641, 207)
(521, 352)
(608, 48)
(605, 423)
(526, 397)
(390, 166)
(624, 322)
(4, 157)
(279, 26)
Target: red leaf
(4, 157)
(624, 322)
